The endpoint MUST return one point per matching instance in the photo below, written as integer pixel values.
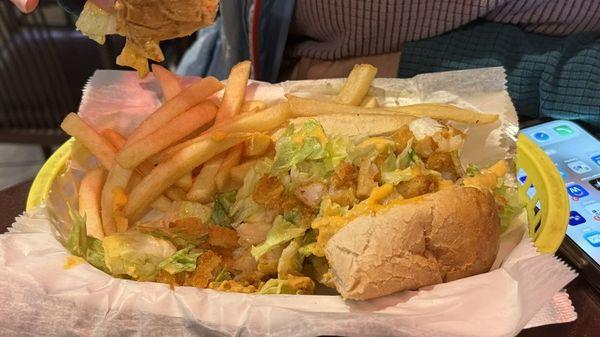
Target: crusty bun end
(431, 239)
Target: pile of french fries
(195, 145)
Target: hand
(107, 5)
(27, 6)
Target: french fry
(446, 111)
(176, 193)
(238, 173)
(257, 145)
(170, 86)
(252, 106)
(89, 201)
(351, 125)
(232, 185)
(205, 184)
(162, 203)
(135, 179)
(113, 137)
(117, 179)
(357, 85)
(118, 142)
(369, 102)
(169, 83)
(119, 201)
(261, 121)
(168, 172)
(182, 125)
(309, 107)
(186, 99)
(235, 91)
(74, 126)
(233, 157)
(185, 182)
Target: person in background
(549, 48)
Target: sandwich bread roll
(435, 238)
(147, 22)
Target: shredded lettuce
(293, 147)
(188, 209)
(396, 169)
(309, 241)
(244, 208)
(330, 208)
(252, 177)
(473, 170)
(370, 149)
(397, 176)
(290, 262)
(304, 173)
(294, 285)
(95, 254)
(337, 151)
(180, 238)
(222, 206)
(511, 206)
(281, 232)
(318, 269)
(223, 275)
(77, 243)
(307, 153)
(82, 245)
(182, 260)
(136, 255)
(96, 23)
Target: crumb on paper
(73, 261)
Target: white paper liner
(83, 300)
(47, 299)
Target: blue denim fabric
(231, 35)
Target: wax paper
(47, 298)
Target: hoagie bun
(438, 237)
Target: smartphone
(576, 154)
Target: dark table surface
(585, 299)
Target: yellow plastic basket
(547, 210)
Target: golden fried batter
(443, 163)
(206, 265)
(418, 185)
(222, 237)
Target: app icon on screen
(563, 130)
(579, 167)
(575, 218)
(595, 183)
(593, 238)
(595, 210)
(541, 136)
(596, 159)
(576, 192)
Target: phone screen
(576, 154)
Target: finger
(107, 5)
(25, 6)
